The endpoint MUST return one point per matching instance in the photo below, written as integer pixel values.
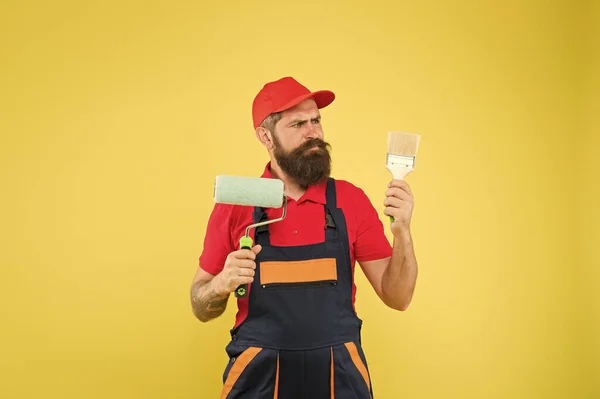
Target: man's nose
(311, 132)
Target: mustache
(310, 143)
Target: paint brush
(402, 153)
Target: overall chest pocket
(305, 274)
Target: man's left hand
(399, 203)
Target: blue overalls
(301, 337)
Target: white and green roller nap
(249, 191)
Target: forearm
(400, 276)
(206, 303)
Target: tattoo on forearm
(206, 303)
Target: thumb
(256, 249)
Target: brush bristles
(405, 144)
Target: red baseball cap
(283, 94)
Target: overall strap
(331, 231)
(261, 233)
(330, 195)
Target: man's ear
(264, 136)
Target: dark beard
(306, 168)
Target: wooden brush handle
(399, 173)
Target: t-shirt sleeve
(217, 240)
(371, 241)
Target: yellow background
(115, 116)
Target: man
(296, 333)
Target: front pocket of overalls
(303, 301)
(252, 371)
(311, 273)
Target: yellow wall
(590, 198)
(116, 116)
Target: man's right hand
(239, 269)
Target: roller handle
(242, 290)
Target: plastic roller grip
(242, 290)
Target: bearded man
(299, 335)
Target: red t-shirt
(302, 225)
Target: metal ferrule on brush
(400, 161)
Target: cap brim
(322, 98)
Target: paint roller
(250, 191)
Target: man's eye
(316, 121)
